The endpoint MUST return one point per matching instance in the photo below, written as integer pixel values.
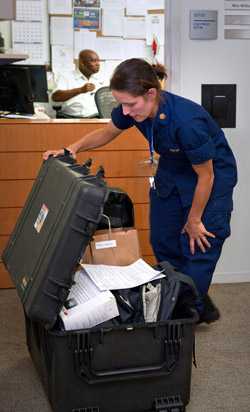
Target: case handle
(87, 372)
(66, 157)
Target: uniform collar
(80, 75)
(162, 115)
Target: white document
(84, 288)
(91, 307)
(140, 7)
(112, 4)
(155, 4)
(155, 27)
(107, 69)
(62, 56)
(121, 277)
(18, 116)
(29, 10)
(112, 22)
(134, 28)
(91, 313)
(136, 7)
(84, 39)
(27, 32)
(61, 31)
(60, 6)
(109, 48)
(134, 48)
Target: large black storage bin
(129, 368)
(142, 368)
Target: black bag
(178, 295)
(178, 292)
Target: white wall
(218, 61)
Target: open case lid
(60, 216)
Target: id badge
(150, 163)
(152, 182)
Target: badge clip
(152, 182)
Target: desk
(7, 58)
(22, 143)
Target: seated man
(75, 90)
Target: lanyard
(151, 143)
(150, 136)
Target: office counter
(22, 143)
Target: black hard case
(42, 262)
(130, 368)
(136, 368)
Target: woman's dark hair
(134, 76)
(160, 71)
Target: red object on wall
(154, 46)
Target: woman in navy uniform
(191, 192)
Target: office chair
(57, 109)
(105, 102)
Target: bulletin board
(115, 29)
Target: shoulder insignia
(162, 116)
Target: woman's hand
(56, 153)
(197, 235)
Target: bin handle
(88, 373)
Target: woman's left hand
(197, 235)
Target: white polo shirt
(83, 104)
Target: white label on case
(41, 218)
(105, 244)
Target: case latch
(169, 404)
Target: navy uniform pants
(167, 218)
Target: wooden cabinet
(22, 143)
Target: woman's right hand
(56, 153)
(53, 153)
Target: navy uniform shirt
(184, 134)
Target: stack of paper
(90, 301)
(89, 306)
(121, 277)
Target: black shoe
(210, 313)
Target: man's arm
(64, 95)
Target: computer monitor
(16, 94)
(39, 82)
